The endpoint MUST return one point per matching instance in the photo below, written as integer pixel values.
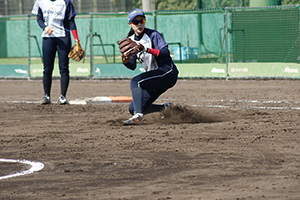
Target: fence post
(91, 46)
(226, 45)
(28, 44)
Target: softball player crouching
(160, 71)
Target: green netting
(221, 42)
(197, 32)
(265, 35)
(3, 35)
(212, 30)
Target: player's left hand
(76, 53)
(129, 47)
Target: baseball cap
(135, 12)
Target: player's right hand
(125, 59)
(48, 30)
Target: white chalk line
(243, 101)
(35, 166)
(249, 107)
(22, 102)
(215, 106)
(236, 101)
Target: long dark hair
(130, 33)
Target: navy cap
(135, 12)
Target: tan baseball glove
(76, 53)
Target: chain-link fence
(213, 43)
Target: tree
(290, 2)
(192, 4)
(221, 3)
(175, 4)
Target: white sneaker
(136, 118)
(62, 100)
(46, 100)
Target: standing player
(56, 18)
(160, 71)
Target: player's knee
(64, 72)
(134, 82)
(47, 73)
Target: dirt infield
(219, 140)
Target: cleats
(62, 100)
(46, 100)
(136, 118)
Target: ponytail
(130, 33)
